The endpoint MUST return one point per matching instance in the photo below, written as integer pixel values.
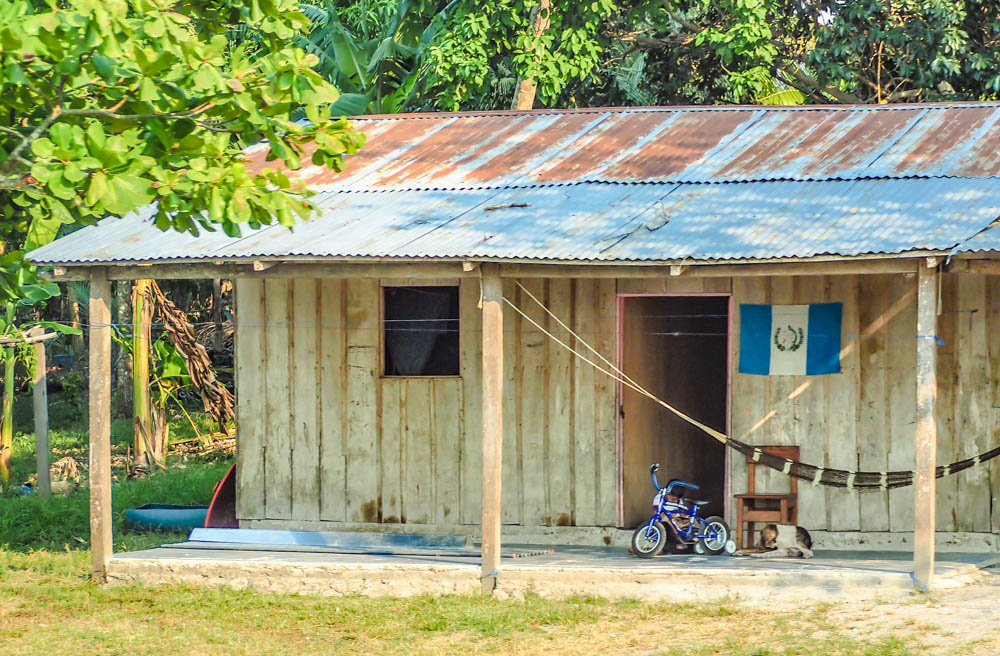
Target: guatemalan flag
(790, 340)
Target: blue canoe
(165, 517)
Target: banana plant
(377, 65)
(30, 290)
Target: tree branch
(798, 74)
(114, 116)
(26, 140)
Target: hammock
(841, 478)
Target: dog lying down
(781, 541)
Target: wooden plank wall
(324, 436)
(864, 417)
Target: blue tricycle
(706, 535)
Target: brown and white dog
(781, 541)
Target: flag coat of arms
(790, 340)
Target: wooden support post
(41, 416)
(492, 299)
(926, 451)
(100, 421)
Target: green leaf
(125, 193)
(350, 104)
(42, 147)
(56, 326)
(97, 189)
(62, 135)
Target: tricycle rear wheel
(648, 546)
(718, 526)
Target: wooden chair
(768, 508)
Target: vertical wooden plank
(993, 335)
(534, 351)
(470, 361)
(101, 542)
(842, 405)
(926, 437)
(750, 394)
(973, 401)
(606, 404)
(278, 453)
(251, 398)
(333, 467)
(948, 438)
(41, 408)
(512, 490)
(304, 390)
(447, 436)
(390, 451)
(584, 413)
(418, 478)
(808, 401)
(901, 398)
(362, 337)
(873, 448)
(559, 448)
(492, 414)
(718, 285)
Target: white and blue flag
(790, 340)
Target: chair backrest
(780, 451)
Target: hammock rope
(839, 478)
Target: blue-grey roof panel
(587, 222)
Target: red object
(222, 510)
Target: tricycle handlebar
(672, 484)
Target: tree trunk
(122, 384)
(524, 95)
(76, 340)
(7, 425)
(144, 435)
(218, 338)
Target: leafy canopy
(109, 105)
(789, 51)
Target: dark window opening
(421, 331)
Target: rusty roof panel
(686, 139)
(708, 144)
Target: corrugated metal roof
(587, 221)
(731, 144)
(651, 184)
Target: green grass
(62, 522)
(49, 604)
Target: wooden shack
(381, 355)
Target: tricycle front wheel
(648, 546)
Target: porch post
(492, 299)
(926, 451)
(100, 421)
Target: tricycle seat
(700, 502)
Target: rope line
(853, 481)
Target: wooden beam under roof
(362, 269)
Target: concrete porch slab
(568, 571)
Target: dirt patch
(963, 620)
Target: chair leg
(750, 534)
(739, 526)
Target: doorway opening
(677, 347)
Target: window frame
(414, 282)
